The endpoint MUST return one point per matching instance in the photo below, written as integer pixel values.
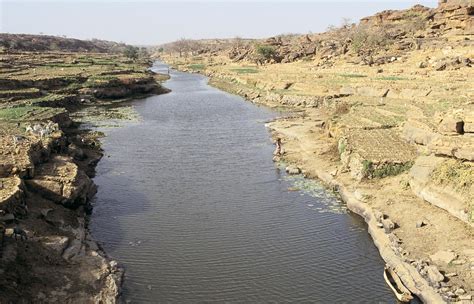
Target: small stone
(459, 262)
(113, 264)
(379, 225)
(450, 294)
(440, 66)
(420, 224)
(451, 274)
(388, 225)
(434, 275)
(293, 170)
(459, 291)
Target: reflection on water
(192, 205)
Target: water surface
(192, 205)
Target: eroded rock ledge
(46, 193)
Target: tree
(143, 53)
(266, 51)
(131, 52)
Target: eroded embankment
(45, 194)
(46, 166)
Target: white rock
(292, 169)
(434, 275)
(442, 256)
(459, 291)
(56, 243)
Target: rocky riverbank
(429, 249)
(389, 126)
(46, 165)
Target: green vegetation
(131, 52)
(101, 81)
(196, 67)
(352, 75)
(17, 113)
(266, 51)
(391, 78)
(341, 147)
(364, 37)
(247, 70)
(370, 170)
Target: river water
(191, 204)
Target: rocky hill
(374, 40)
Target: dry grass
(455, 173)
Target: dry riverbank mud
(46, 166)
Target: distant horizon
(154, 22)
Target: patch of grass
(391, 169)
(249, 70)
(21, 92)
(101, 81)
(456, 173)
(196, 67)
(370, 170)
(352, 75)
(65, 65)
(393, 78)
(17, 113)
(342, 146)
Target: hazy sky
(155, 21)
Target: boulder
(419, 133)
(55, 243)
(434, 276)
(442, 196)
(461, 147)
(378, 216)
(442, 256)
(73, 250)
(61, 181)
(451, 125)
(388, 225)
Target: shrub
(369, 38)
(266, 51)
(131, 52)
(369, 170)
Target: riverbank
(430, 249)
(46, 165)
(389, 133)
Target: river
(191, 204)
